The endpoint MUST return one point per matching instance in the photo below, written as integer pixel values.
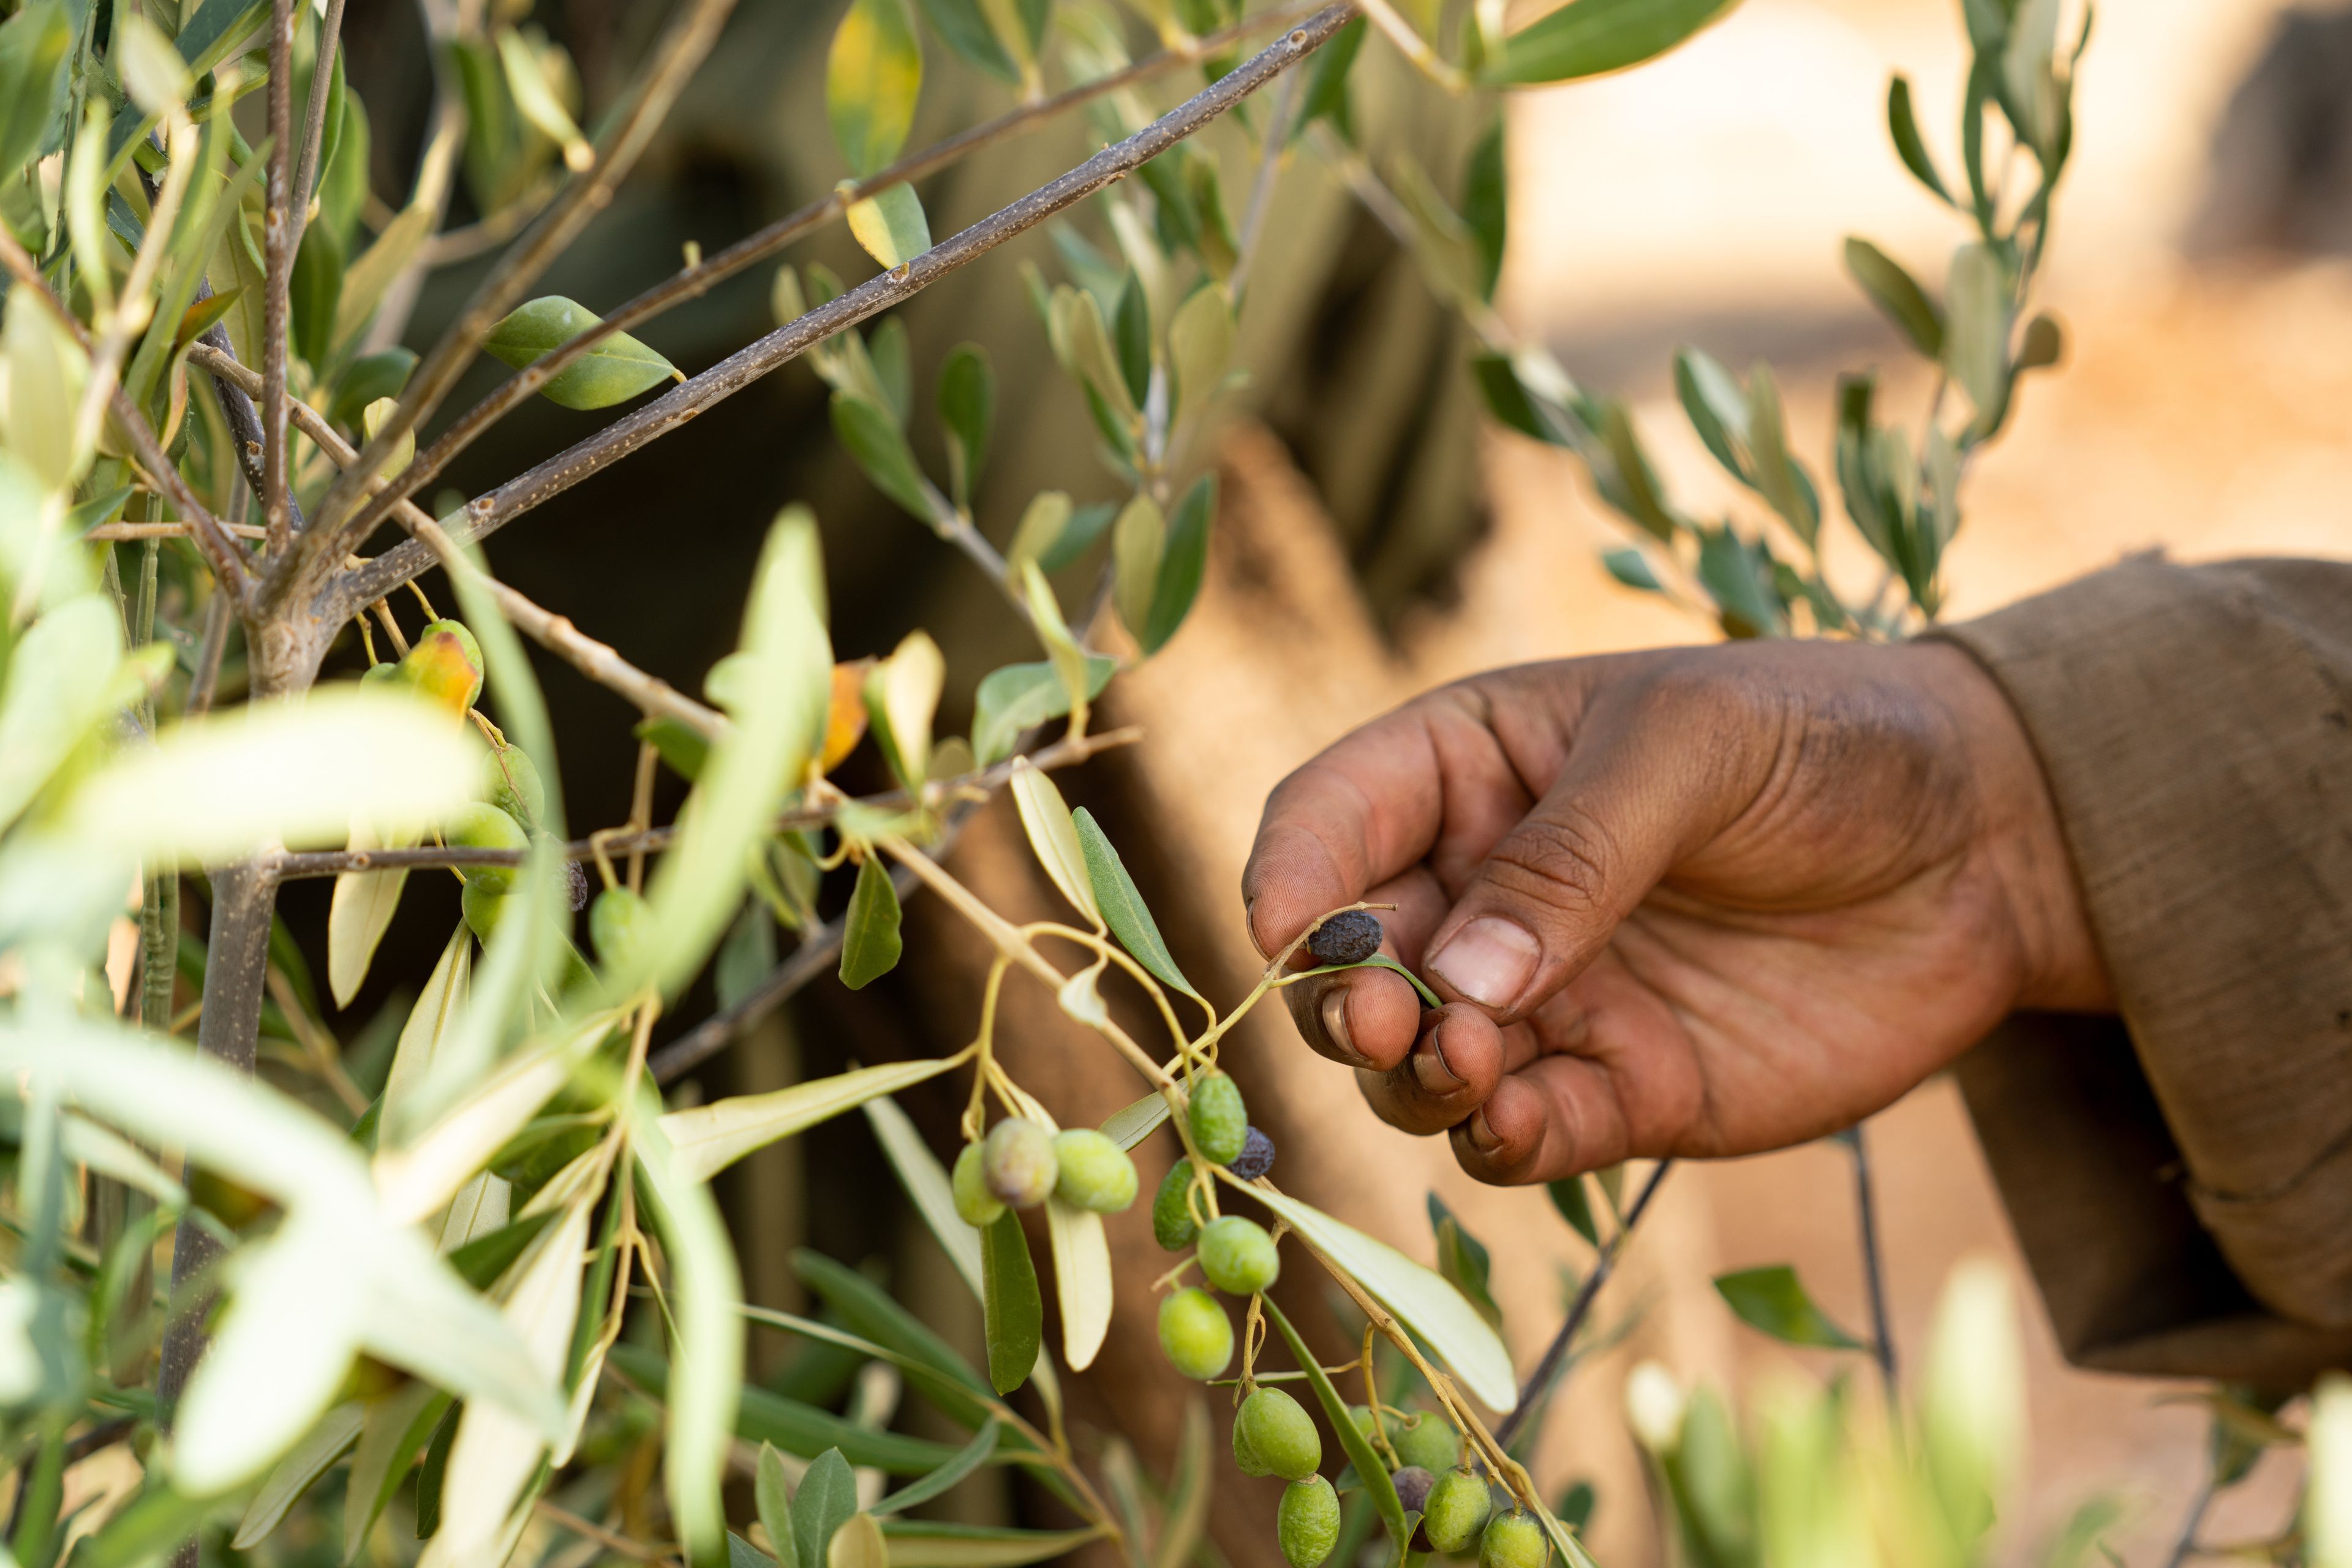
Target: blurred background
(1375, 536)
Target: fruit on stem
(1195, 1334)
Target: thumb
(1639, 790)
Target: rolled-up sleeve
(2181, 1178)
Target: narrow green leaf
(1132, 335)
(873, 75)
(1587, 38)
(1371, 1472)
(368, 379)
(928, 1184)
(1629, 567)
(797, 1428)
(1122, 905)
(1132, 1124)
(1419, 1297)
(371, 272)
(1575, 1206)
(1896, 294)
(880, 447)
(198, 319)
(1054, 837)
(828, 1495)
(1774, 1300)
(1736, 575)
(1020, 697)
(35, 46)
(397, 1427)
(1183, 565)
(316, 293)
(925, 1544)
(1200, 345)
(617, 369)
(967, 411)
(866, 1309)
(970, 1457)
(1779, 477)
(1902, 126)
(1463, 1260)
(704, 1385)
(1484, 207)
(433, 1471)
(1976, 338)
(772, 1496)
(1717, 408)
(1013, 1307)
(1327, 89)
(870, 943)
(963, 28)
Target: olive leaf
(1012, 1311)
(1020, 697)
(1183, 565)
(870, 943)
(357, 917)
(291, 1476)
(873, 75)
(1139, 541)
(1569, 1197)
(792, 1425)
(963, 28)
(368, 379)
(1122, 905)
(1042, 525)
(1587, 38)
(1976, 336)
(36, 46)
(1054, 837)
(865, 1309)
(1200, 345)
(1463, 1260)
(772, 1498)
(1082, 1279)
(1774, 1300)
(970, 1457)
(891, 224)
(874, 440)
(1903, 128)
(1894, 290)
(1132, 1123)
(926, 1183)
(931, 1543)
(1421, 1299)
(901, 694)
(1629, 567)
(709, 1138)
(1779, 477)
(967, 401)
(395, 1427)
(371, 271)
(618, 368)
(1485, 208)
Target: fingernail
(1482, 1137)
(1335, 1024)
(1489, 960)
(1429, 1067)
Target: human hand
(1694, 902)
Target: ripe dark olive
(1348, 938)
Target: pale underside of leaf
(709, 1138)
(359, 915)
(1082, 1279)
(292, 1475)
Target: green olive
(1094, 1172)
(476, 826)
(973, 1201)
(485, 906)
(621, 923)
(444, 663)
(1307, 1522)
(1238, 1256)
(1172, 1225)
(1220, 1122)
(515, 786)
(1281, 1434)
(1196, 1333)
(1017, 1161)
(1431, 1442)
(1513, 1540)
(1456, 1508)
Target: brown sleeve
(2181, 1180)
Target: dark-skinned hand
(1697, 901)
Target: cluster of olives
(1019, 1165)
(1456, 1505)
(1237, 1255)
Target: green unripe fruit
(485, 906)
(480, 826)
(1307, 1522)
(1196, 1333)
(1094, 1172)
(1513, 1540)
(621, 923)
(1017, 1162)
(973, 1201)
(1362, 1414)
(1431, 1443)
(1172, 1225)
(1220, 1122)
(1246, 1458)
(1238, 1256)
(444, 663)
(381, 675)
(1458, 1507)
(1281, 1434)
(515, 786)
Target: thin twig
(122, 532)
(1581, 1307)
(597, 660)
(675, 60)
(296, 864)
(693, 281)
(306, 178)
(278, 278)
(491, 513)
(564, 1519)
(2184, 1545)
(1873, 1267)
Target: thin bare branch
(277, 280)
(228, 562)
(692, 281)
(1064, 753)
(596, 660)
(488, 513)
(306, 178)
(681, 51)
(116, 532)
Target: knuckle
(1563, 859)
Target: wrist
(2022, 840)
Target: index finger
(1374, 804)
